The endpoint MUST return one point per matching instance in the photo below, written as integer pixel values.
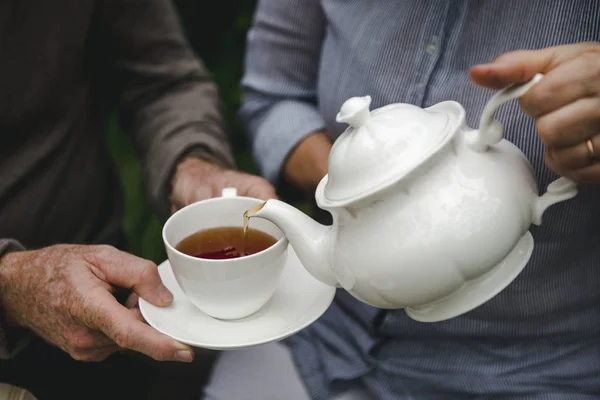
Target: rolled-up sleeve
(168, 101)
(280, 78)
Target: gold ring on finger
(591, 152)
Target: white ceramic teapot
(429, 215)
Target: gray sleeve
(280, 78)
(168, 101)
(10, 344)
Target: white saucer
(299, 301)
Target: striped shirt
(540, 337)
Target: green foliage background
(218, 37)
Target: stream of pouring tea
(247, 214)
(246, 224)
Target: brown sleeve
(11, 341)
(168, 101)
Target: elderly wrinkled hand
(565, 103)
(196, 180)
(64, 293)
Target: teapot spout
(311, 241)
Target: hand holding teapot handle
(491, 132)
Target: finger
(570, 125)
(262, 190)
(132, 301)
(574, 157)
(590, 174)
(521, 66)
(200, 193)
(126, 329)
(566, 159)
(95, 355)
(190, 192)
(86, 344)
(575, 79)
(137, 314)
(122, 269)
(183, 193)
(178, 196)
(97, 340)
(103, 354)
(79, 338)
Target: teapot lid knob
(355, 111)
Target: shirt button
(431, 48)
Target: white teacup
(229, 288)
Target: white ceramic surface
(229, 288)
(428, 214)
(298, 301)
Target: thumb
(514, 67)
(125, 270)
(520, 66)
(127, 329)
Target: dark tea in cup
(222, 273)
(225, 243)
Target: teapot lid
(382, 146)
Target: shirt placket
(437, 22)
(431, 43)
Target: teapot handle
(491, 130)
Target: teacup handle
(491, 130)
(229, 192)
